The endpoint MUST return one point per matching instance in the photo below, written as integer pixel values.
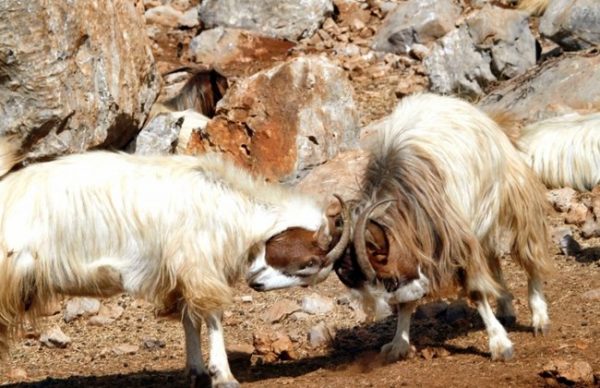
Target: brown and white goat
(174, 230)
(564, 151)
(442, 183)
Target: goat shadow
(433, 328)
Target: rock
(237, 52)
(456, 65)
(577, 214)
(415, 21)
(573, 24)
(316, 304)
(559, 232)
(247, 298)
(284, 121)
(78, 307)
(319, 335)
(506, 34)
(153, 343)
(300, 316)
(592, 294)
(280, 310)
(239, 351)
(158, 137)
(590, 227)
(91, 83)
(55, 338)
(190, 18)
(283, 19)
(123, 349)
(556, 87)
(577, 372)
(431, 310)
(164, 15)
(17, 374)
(100, 321)
(273, 346)
(562, 199)
(340, 175)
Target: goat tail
(523, 212)
(10, 155)
(21, 295)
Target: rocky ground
(319, 337)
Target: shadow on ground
(349, 345)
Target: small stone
(55, 338)
(578, 372)
(17, 374)
(153, 343)
(592, 294)
(239, 351)
(282, 344)
(78, 307)
(427, 354)
(319, 335)
(246, 298)
(316, 304)
(562, 199)
(577, 214)
(123, 349)
(100, 321)
(280, 310)
(299, 316)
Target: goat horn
(360, 243)
(337, 251)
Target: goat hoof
(199, 380)
(392, 352)
(543, 330)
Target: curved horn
(337, 251)
(360, 243)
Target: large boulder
(566, 84)
(74, 75)
(493, 44)
(284, 19)
(415, 21)
(283, 121)
(573, 24)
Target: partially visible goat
(174, 230)
(443, 182)
(564, 151)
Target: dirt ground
(448, 354)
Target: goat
(533, 7)
(443, 181)
(174, 230)
(564, 151)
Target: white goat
(443, 182)
(564, 151)
(176, 231)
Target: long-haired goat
(564, 151)
(442, 183)
(174, 230)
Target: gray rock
(123, 349)
(80, 307)
(158, 137)
(153, 343)
(69, 80)
(316, 304)
(319, 335)
(555, 88)
(456, 65)
(506, 34)
(573, 24)
(415, 21)
(285, 19)
(55, 338)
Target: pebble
(55, 338)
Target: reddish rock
(284, 121)
(577, 214)
(577, 372)
(237, 53)
(562, 199)
(281, 310)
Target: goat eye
(310, 263)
